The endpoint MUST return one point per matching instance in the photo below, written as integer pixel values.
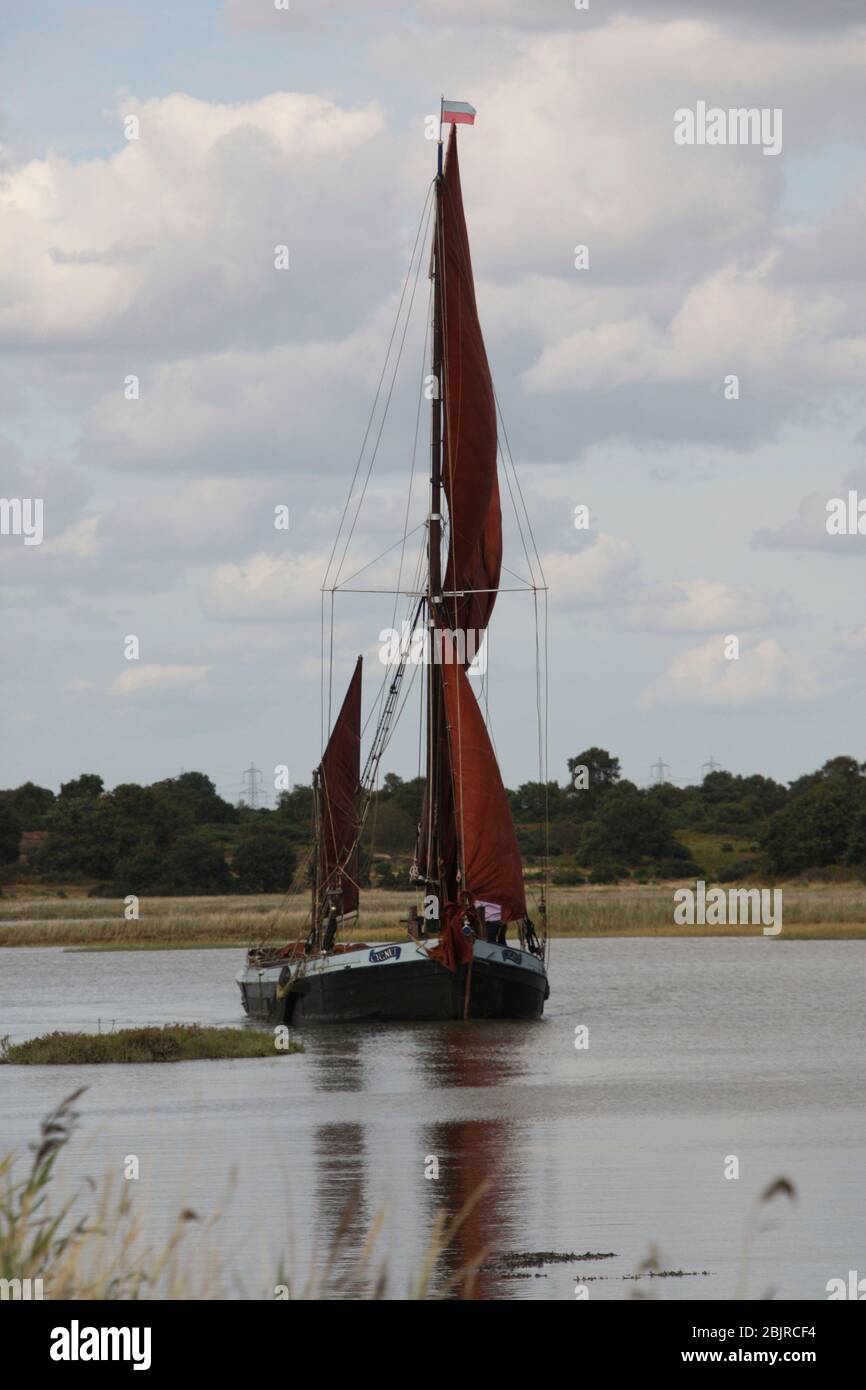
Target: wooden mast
(313, 938)
(434, 540)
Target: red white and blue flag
(457, 113)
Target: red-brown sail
(467, 841)
(491, 867)
(469, 462)
(478, 852)
(339, 790)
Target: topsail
(469, 447)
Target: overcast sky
(154, 257)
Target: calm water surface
(699, 1049)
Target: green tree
(812, 831)
(295, 811)
(192, 866)
(602, 773)
(406, 796)
(630, 826)
(88, 785)
(189, 866)
(144, 815)
(83, 838)
(264, 863)
(139, 873)
(763, 794)
(856, 849)
(532, 802)
(10, 833)
(194, 797)
(30, 803)
(846, 768)
(389, 829)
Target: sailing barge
(456, 961)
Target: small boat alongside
(456, 960)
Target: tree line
(179, 836)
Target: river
(700, 1052)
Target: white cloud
(78, 540)
(231, 408)
(177, 226)
(541, 14)
(732, 322)
(266, 587)
(154, 679)
(703, 676)
(600, 573)
(705, 605)
(808, 529)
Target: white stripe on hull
(387, 953)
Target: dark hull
(420, 991)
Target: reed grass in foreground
(93, 1247)
(174, 1042)
(811, 911)
(97, 1250)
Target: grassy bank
(810, 911)
(175, 1042)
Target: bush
(389, 829)
(608, 873)
(10, 833)
(264, 864)
(568, 876)
(564, 835)
(629, 826)
(189, 867)
(812, 831)
(730, 872)
(856, 850)
(531, 840)
(174, 1042)
(382, 875)
(675, 867)
(140, 873)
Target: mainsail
(469, 447)
(467, 842)
(339, 785)
(491, 867)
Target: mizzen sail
(339, 782)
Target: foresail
(339, 792)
